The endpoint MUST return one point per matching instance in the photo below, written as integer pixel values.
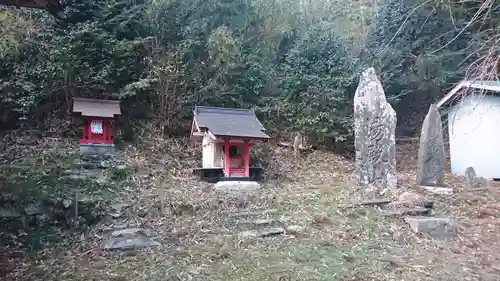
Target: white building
(473, 113)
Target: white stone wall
(474, 134)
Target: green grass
(206, 243)
(44, 181)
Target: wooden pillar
(246, 155)
(86, 131)
(106, 127)
(227, 160)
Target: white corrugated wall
(474, 132)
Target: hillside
(142, 214)
(295, 228)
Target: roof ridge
(226, 108)
(223, 111)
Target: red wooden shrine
(227, 135)
(97, 117)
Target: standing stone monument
(431, 154)
(374, 132)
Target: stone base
(434, 227)
(438, 189)
(236, 186)
(97, 149)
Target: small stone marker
(374, 132)
(473, 181)
(434, 227)
(127, 239)
(431, 154)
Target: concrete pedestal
(236, 186)
(97, 149)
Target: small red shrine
(226, 136)
(97, 117)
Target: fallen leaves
(199, 228)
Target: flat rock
(409, 212)
(264, 222)
(294, 229)
(271, 231)
(236, 186)
(437, 189)
(434, 227)
(127, 239)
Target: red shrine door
(237, 169)
(97, 131)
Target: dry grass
(201, 231)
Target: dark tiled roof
(96, 108)
(229, 122)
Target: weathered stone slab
(431, 154)
(236, 186)
(374, 132)
(127, 239)
(434, 227)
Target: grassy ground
(204, 234)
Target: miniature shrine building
(97, 136)
(471, 111)
(226, 135)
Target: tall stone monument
(431, 154)
(374, 132)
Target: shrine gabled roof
(96, 107)
(457, 91)
(232, 122)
